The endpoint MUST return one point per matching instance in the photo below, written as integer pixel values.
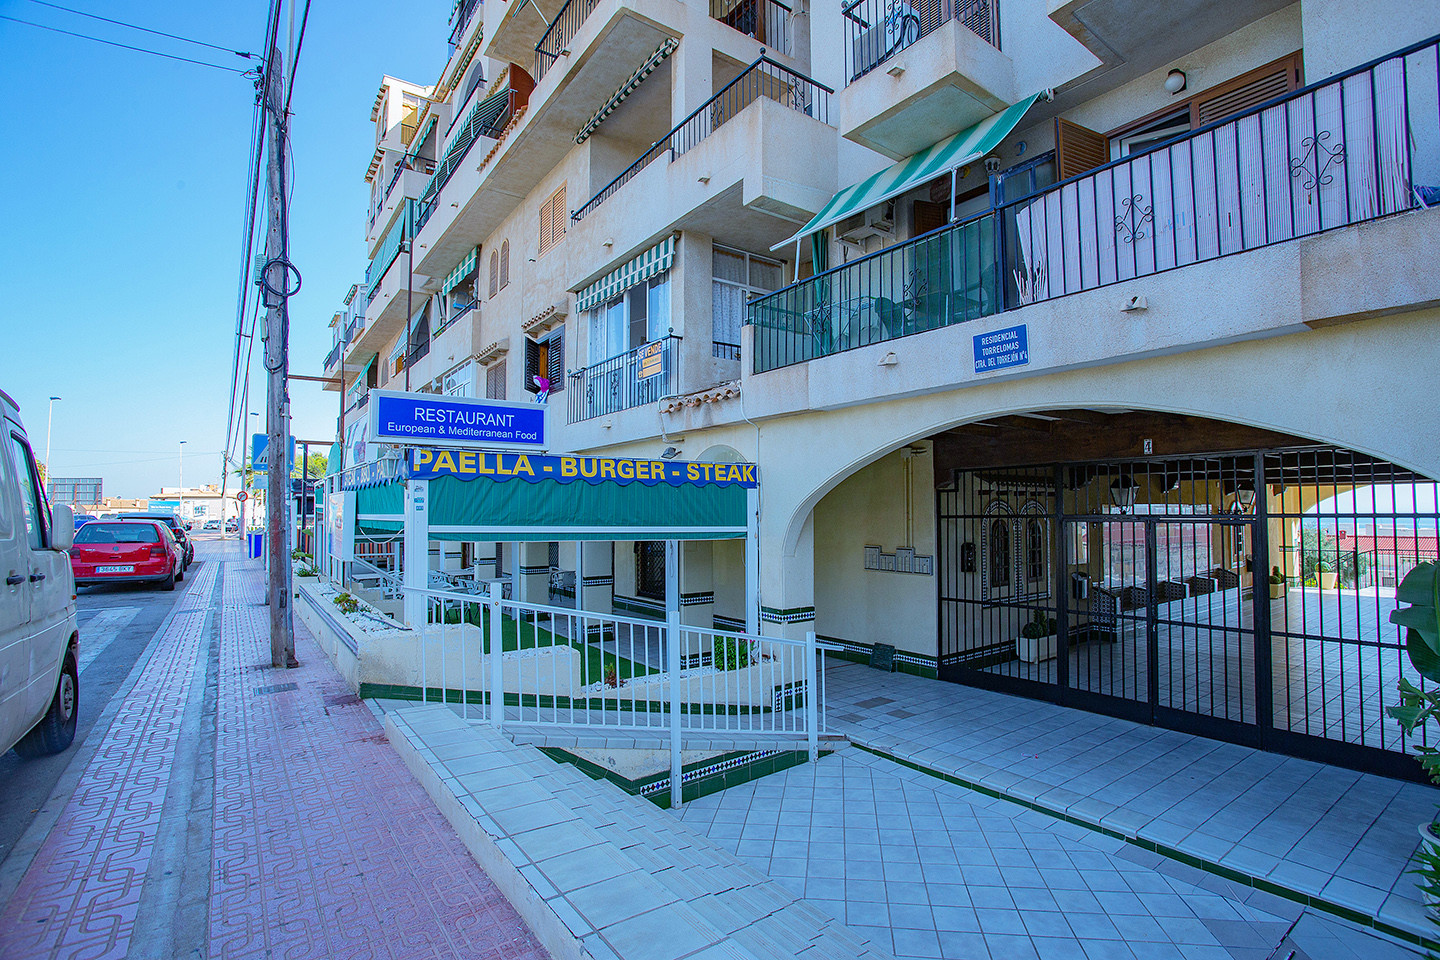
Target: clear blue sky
(124, 207)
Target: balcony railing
(876, 30)
(488, 118)
(766, 20)
(643, 375)
(333, 357)
(1353, 148)
(762, 79)
(460, 19)
(412, 163)
(947, 276)
(556, 41)
(400, 231)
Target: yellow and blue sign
(427, 464)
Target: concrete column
(596, 577)
(692, 75)
(787, 597)
(697, 583)
(485, 552)
(533, 569)
(417, 550)
(691, 306)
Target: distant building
(74, 490)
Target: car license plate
(129, 568)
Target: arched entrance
(1233, 583)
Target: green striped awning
(966, 146)
(461, 271)
(628, 87)
(652, 262)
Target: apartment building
(1076, 343)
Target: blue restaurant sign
(423, 419)
(1001, 348)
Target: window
(635, 317)
(546, 358)
(650, 569)
(999, 553)
(739, 278)
(31, 502)
(552, 219)
(504, 264)
(495, 381)
(494, 272)
(1165, 128)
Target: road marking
(101, 630)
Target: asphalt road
(117, 623)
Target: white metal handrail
(577, 668)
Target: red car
(126, 551)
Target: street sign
(260, 452)
(1002, 348)
(242, 496)
(424, 419)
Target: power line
(136, 26)
(295, 57)
(126, 46)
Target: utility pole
(275, 283)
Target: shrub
(346, 603)
(305, 571)
(1276, 576)
(1039, 626)
(731, 653)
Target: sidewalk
(231, 810)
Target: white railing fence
(574, 668)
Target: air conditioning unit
(878, 221)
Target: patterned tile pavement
(929, 869)
(323, 845)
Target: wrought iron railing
(460, 19)
(766, 20)
(946, 276)
(1363, 145)
(333, 357)
(876, 30)
(725, 351)
(763, 79)
(488, 118)
(1335, 153)
(556, 41)
(643, 375)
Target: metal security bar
(877, 30)
(763, 79)
(642, 375)
(766, 20)
(1354, 148)
(945, 277)
(556, 41)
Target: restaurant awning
(964, 147)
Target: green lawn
(527, 636)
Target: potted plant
(1325, 573)
(1037, 639)
(1278, 586)
(1421, 621)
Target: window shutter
(494, 273)
(504, 264)
(495, 381)
(1078, 149)
(532, 365)
(1246, 91)
(555, 357)
(545, 226)
(558, 215)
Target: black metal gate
(1143, 589)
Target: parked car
(127, 551)
(232, 525)
(211, 525)
(83, 518)
(176, 527)
(39, 633)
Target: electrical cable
(126, 46)
(136, 26)
(295, 58)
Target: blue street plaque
(1001, 348)
(260, 449)
(423, 419)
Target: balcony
(1353, 148)
(641, 376)
(917, 74)
(406, 183)
(765, 20)
(762, 80)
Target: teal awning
(420, 135)
(380, 511)
(652, 262)
(628, 87)
(964, 147)
(461, 271)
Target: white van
(39, 635)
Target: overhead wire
(126, 46)
(136, 26)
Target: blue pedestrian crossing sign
(260, 452)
